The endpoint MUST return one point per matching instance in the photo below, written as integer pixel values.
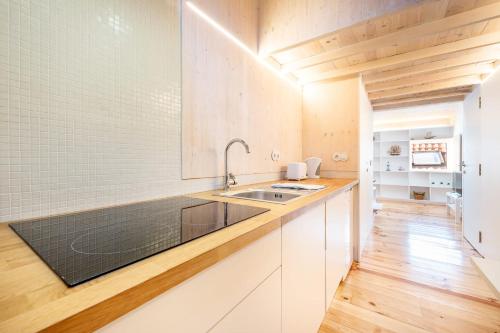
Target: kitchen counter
(33, 298)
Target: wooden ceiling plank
(428, 87)
(457, 60)
(458, 90)
(417, 99)
(463, 44)
(422, 102)
(386, 13)
(430, 77)
(476, 15)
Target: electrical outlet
(275, 155)
(340, 157)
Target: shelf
(394, 156)
(388, 141)
(397, 171)
(433, 171)
(399, 185)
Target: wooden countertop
(33, 298)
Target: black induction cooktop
(84, 245)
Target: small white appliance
(296, 171)
(313, 165)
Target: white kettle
(313, 165)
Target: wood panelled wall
(227, 94)
(331, 123)
(287, 22)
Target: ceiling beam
(460, 45)
(485, 54)
(476, 15)
(428, 87)
(390, 102)
(430, 77)
(458, 90)
(410, 102)
(404, 104)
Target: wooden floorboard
(415, 275)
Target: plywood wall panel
(227, 94)
(288, 22)
(331, 123)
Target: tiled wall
(90, 106)
(90, 109)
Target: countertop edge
(105, 311)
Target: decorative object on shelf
(395, 150)
(429, 136)
(419, 195)
(388, 166)
(401, 168)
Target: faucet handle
(232, 180)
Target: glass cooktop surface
(81, 246)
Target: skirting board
(490, 269)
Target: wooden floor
(415, 275)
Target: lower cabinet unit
(339, 251)
(281, 283)
(199, 303)
(348, 232)
(259, 312)
(303, 270)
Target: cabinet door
(336, 221)
(200, 302)
(259, 312)
(348, 232)
(303, 265)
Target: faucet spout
(227, 175)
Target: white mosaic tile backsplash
(90, 107)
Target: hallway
(415, 275)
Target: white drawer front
(259, 312)
(199, 303)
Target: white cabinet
(335, 247)
(348, 231)
(339, 250)
(259, 312)
(199, 303)
(303, 270)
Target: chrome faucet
(229, 178)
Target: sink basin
(269, 196)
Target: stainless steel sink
(269, 196)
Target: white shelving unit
(398, 181)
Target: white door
(490, 161)
(471, 158)
(303, 267)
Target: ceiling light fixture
(239, 43)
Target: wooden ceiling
(432, 52)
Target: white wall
(432, 115)
(365, 166)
